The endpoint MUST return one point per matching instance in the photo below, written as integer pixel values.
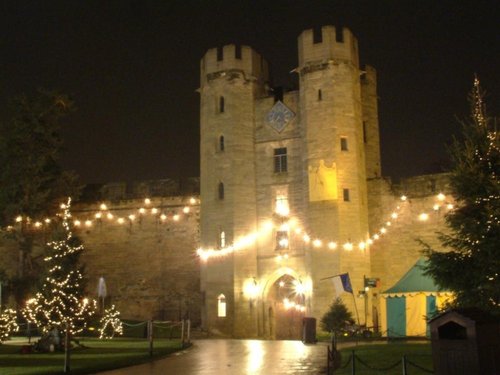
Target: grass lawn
(384, 355)
(98, 355)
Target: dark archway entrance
(287, 308)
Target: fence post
(353, 364)
(28, 331)
(404, 365)
(182, 332)
(67, 349)
(150, 337)
(328, 360)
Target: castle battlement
(326, 45)
(218, 62)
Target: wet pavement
(237, 357)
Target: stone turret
(231, 79)
(330, 103)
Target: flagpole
(355, 306)
(352, 291)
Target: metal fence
(354, 364)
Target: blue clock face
(279, 116)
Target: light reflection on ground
(238, 357)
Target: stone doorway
(286, 303)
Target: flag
(342, 283)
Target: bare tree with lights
(472, 266)
(61, 304)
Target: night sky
(132, 68)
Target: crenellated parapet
(328, 45)
(233, 61)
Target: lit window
(221, 306)
(280, 160)
(282, 240)
(221, 143)
(343, 144)
(222, 239)
(282, 207)
(346, 195)
(221, 190)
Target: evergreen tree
(337, 318)
(31, 179)
(61, 302)
(471, 267)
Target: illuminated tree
(61, 303)
(111, 324)
(8, 324)
(471, 267)
(31, 179)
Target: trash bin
(464, 342)
(309, 330)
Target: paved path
(237, 357)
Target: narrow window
(221, 190)
(220, 54)
(222, 239)
(282, 240)
(221, 306)
(221, 104)
(320, 95)
(237, 52)
(364, 131)
(343, 144)
(221, 143)
(346, 195)
(280, 160)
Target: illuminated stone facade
(276, 167)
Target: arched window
(221, 104)
(221, 190)
(221, 143)
(221, 306)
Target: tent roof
(415, 281)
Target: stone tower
(332, 118)
(231, 80)
(284, 184)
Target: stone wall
(399, 249)
(149, 263)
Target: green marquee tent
(407, 306)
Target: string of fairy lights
(290, 226)
(174, 214)
(163, 213)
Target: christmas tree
(61, 304)
(471, 267)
